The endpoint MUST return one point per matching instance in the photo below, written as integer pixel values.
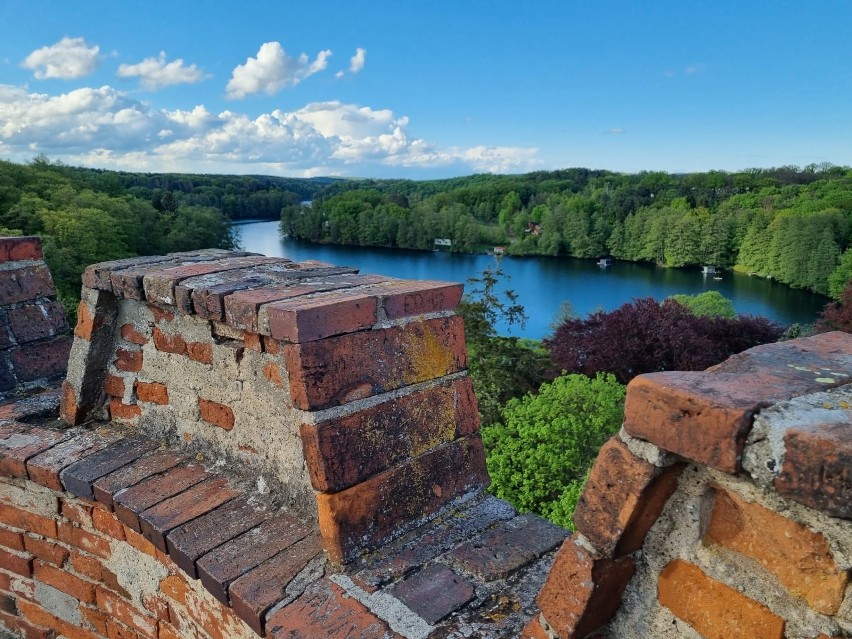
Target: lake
(543, 283)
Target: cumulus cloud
(67, 59)
(356, 62)
(106, 128)
(272, 70)
(156, 73)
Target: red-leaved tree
(646, 336)
(837, 315)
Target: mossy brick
(622, 499)
(582, 590)
(366, 515)
(24, 281)
(343, 451)
(305, 319)
(15, 249)
(23, 443)
(799, 558)
(434, 592)
(128, 503)
(344, 368)
(706, 416)
(253, 594)
(44, 468)
(79, 476)
(507, 546)
(190, 541)
(222, 565)
(41, 359)
(157, 521)
(36, 321)
(713, 608)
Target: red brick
(86, 325)
(20, 563)
(89, 542)
(367, 514)
(11, 539)
(341, 369)
(706, 416)
(169, 343)
(817, 468)
(25, 520)
(200, 352)
(128, 361)
(37, 321)
(253, 594)
(41, 359)
(148, 492)
(158, 520)
(167, 631)
(343, 451)
(97, 276)
(63, 580)
(126, 613)
(434, 592)
(252, 342)
(622, 499)
(408, 298)
(46, 550)
(24, 628)
(216, 414)
(25, 283)
(324, 610)
(116, 630)
(23, 444)
(76, 511)
(119, 411)
(582, 591)
(152, 392)
(272, 372)
(271, 346)
(40, 617)
(45, 467)
(534, 630)
(114, 385)
(144, 467)
(15, 249)
(86, 565)
(108, 524)
(799, 558)
(70, 411)
(161, 314)
(317, 317)
(129, 333)
(712, 608)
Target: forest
(786, 223)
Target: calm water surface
(543, 283)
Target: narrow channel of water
(543, 283)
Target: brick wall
(722, 509)
(33, 327)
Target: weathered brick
(507, 546)
(253, 594)
(15, 249)
(409, 298)
(37, 321)
(622, 499)
(114, 385)
(799, 558)
(97, 276)
(120, 412)
(129, 333)
(367, 514)
(107, 523)
(305, 319)
(79, 476)
(191, 540)
(25, 282)
(712, 608)
(29, 521)
(215, 413)
(169, 343)
(343, 451)
(11, 539)
(45, 467)
(24, 628)
(41, 359)
(23, 444)
(129, 361)
(325, 610)
(63, 580)
(41, 617)
(706, 416)
(219, 567)
(143, 468)
(817, 468)
(200, 352)
(148, 492)
(153, 392)
(272, 372)
(46, 549)
(161, 314)
(434, 592)
(76, 510)
(84, 540)
(126, 613)
(20, 563)
(582, 591)
(347, 367)
(158, 520)
(534, 630)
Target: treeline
(787, 223)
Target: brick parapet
(730, 490)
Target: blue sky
(425, 89)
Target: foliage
(837, 314)
(540, 451)
(501, 367)
(707, 304)
(841, 276)
(644, 336)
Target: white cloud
(272, 70)
(356, 62)
(156, 73)
(67, 59)
(695, 68)
(616, 131)
(106, 128)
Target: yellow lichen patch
(428, 357)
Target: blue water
(543, 283)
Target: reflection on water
(543, 283)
